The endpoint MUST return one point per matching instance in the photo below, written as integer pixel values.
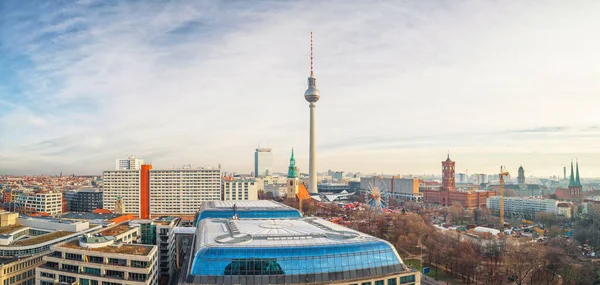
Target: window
(366, 283)
(139, 264)
(72, 256)
(407, 279)
(71, 268)
(93, 271)
(379, 282)
(66, 279)
(116, 261)
(115, 274)
(95, 259)
(47, 275)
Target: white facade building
(181, 191)
(523, 205)
(129, 163)
(263, 162)
(49, 202)
(124, 184)
(240, 189)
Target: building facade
(157, 192)
(99, 261)
(129, 163)
(181, 191)
(396, 187)
(86, 200)
(523, 206)
(47, 202)
(122, 185)
(240, 189)
(263, 162)
(448, 178)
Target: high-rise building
(312, 95)
(181, 191)
(159, 192)
(240, 189)
(123, 185)
(129, 163)
(263, 162)
(160, 232)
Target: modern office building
(129, 163)
(292, 251)
(147, 192)
(19, 270)
(265, 242)
(263, 162)
(40, 202)
(240, 189)
(99, 260)
(333, 187)
(523, 206)
(84, 200)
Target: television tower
(312, 95)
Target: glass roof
(250, 214)
(214, 261)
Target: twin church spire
(574, 179)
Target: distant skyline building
(263, 162)
(312, 95)
(240, 189)
(448, 182)
(575, 188)
(129, 163)
(521, 177)
(85, 200)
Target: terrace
(10, 229)
(42, 238)
(142, 250)
(116, 230)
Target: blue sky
(204, 82)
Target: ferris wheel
(377, 195)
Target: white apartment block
(124, 184)
(240, 189)
(129, 163)
(99, 261)
(181, 191)
(526, 206)
(49, 202)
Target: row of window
(22, 265)
(391, 281)
(15, 279)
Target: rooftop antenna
(311, 55)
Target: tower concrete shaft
(312, 168)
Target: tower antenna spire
(311, 55)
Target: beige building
(8, 218)
(240, 189)
(94, 260)
(19, 271)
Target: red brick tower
(448, 183)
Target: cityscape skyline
(87, 87)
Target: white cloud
(401, 83)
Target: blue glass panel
(296, 260)
(250, 214)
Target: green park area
(441, 274)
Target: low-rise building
(40, 202)
(93, 260)
(523, 206)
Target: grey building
(85, 200)
(263, 162)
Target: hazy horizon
(203, 83)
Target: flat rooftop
(244, 205)
(10, 229)
(41, 238)
(116, 230)
(89, 216)
(129, 249)
(276, 232)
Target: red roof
(102, 211)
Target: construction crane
(502, 173)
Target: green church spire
(572, 179)
(577, 182)
(292, 170)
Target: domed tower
(521, 177)
(312, 95)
